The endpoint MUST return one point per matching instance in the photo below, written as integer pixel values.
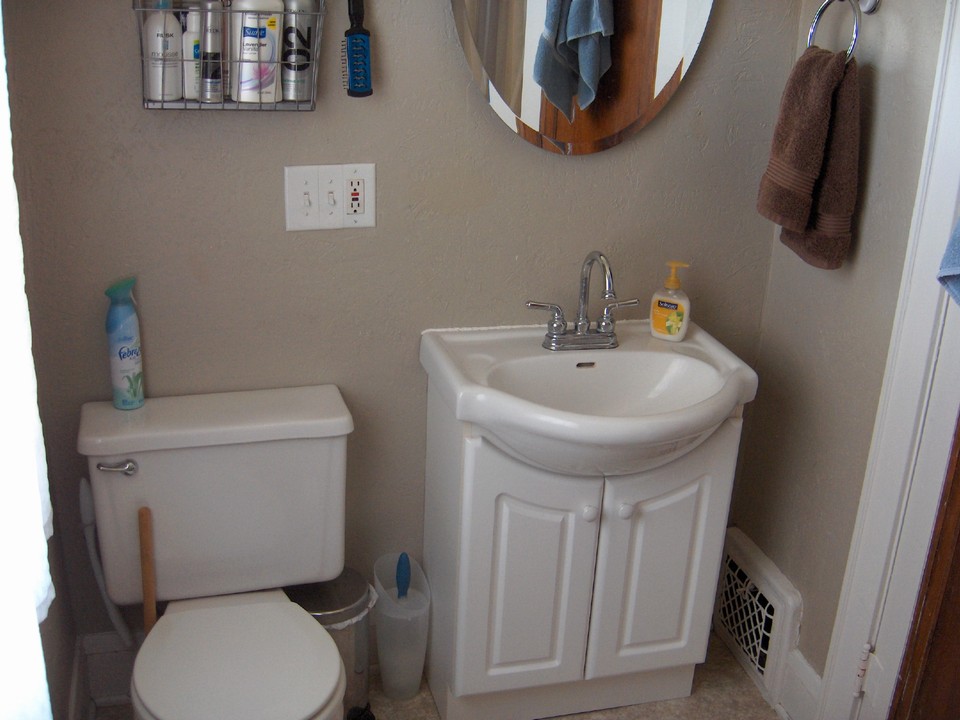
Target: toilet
(246, 494)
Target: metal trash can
(342, 606)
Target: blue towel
(574, 51)
(949, 274)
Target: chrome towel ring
(855, 6)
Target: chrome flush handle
(128, 467)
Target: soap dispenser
(670, 307)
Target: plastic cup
(402, 625)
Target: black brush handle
(355, 10)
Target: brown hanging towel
(825, 242)
(799, 139)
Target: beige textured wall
(471, 222)
(824, 335)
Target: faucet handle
(557, 325)
(605, 324)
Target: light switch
(302, 197)
(331, 187)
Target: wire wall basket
(207, 55)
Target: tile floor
(721, 689)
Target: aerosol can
(302, 22)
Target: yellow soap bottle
(670, 307)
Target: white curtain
(25, 515)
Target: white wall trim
(909, 440)
(79, 699)
(102, 668)
(801, 691)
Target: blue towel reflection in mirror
(574, 52)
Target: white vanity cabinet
(528, 547)
(556, 594)
(661, 541)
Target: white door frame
(913, 434)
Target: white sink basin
(588, 412)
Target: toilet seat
(255, 657)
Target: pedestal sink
(574, 515)
(598, 412)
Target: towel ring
(855, 6)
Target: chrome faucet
(595, 257)
(583, 336)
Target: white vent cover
(757, 613)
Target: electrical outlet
(355, 194)
(360, 184)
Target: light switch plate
(324, 197)
(301, 197)
(331, 196)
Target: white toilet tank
(246, 489)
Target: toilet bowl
(246, 492)
(253, 656)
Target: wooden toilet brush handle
(148, 570)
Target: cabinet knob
(625, 511)
(590, 513)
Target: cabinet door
(660, 545)
(528, 548)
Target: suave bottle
(255, 50)
(123, 334)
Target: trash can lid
(334, 601)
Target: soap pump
(670, 307)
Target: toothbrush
(403, 575)
(356, 53)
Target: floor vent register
(757, 612)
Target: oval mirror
(633, 55)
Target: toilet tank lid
(165, 423)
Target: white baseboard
(802, 686)
(79, 693)
(102, 668)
